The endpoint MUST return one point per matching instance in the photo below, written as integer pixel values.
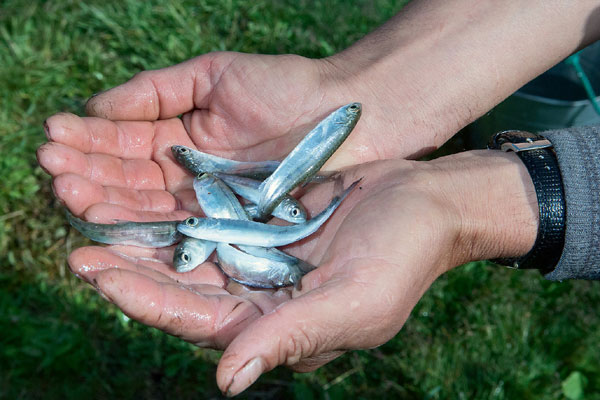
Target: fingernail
(47, 130)
(245, 377)
(100, 292)
(97, 93)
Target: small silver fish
(308, 156)
(216, 198)
(252, 210)
(252, 266)
(255, 233)
(256, 271)
(141, 234)
(275, 254)
(289, 209)
(198, 162)
(191, 252)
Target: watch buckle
(530, 144)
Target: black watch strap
(540, 160)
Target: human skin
(423, 75)
(372, 268)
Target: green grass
(481, 331)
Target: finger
(160, 258)
(57, 159)
(167, 134)
(160, 94)
(79, 193)
(206, 320)
(87, 262)
(304, 327)
(162, 254)
(104, 213)
(96, 135)
(265, 299)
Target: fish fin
(346, 192)
(338, 184)
(298, 285)
(305, 267)
(322, 177)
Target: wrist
(494, 203)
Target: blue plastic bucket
(556, 99)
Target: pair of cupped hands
(376, 256)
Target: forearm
(439, 65)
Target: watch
(537, 154)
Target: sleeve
(578, 154)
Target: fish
(277, 255)
(216, 198)
(252, 233)
(249, 265)
(141, 234)
(198, 162)
(289, 209)
(305, 160)
(261, 272)
(191, 252)
(252, 210)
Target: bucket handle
(574, 61)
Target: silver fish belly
(141, 234)
(256, 233)
(198, 162)
(308, 156)
(289, 209)
(216, 198)
(256, 271)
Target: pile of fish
(245, 245)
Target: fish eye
(295, 212)
(185, 257)
(182, 150)
(191, 221)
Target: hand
(377, 255)
(356, 299)
(240, 106)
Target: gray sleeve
(578, 153)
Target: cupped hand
(117, 162)
(373, 268)
(240, 106)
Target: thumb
(158, 94)
(307, 326)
